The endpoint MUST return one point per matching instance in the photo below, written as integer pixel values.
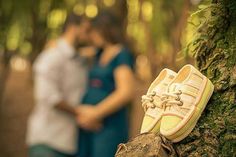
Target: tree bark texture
(215, 55)
(146, 145)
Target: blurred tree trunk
(119, 9)
(215, 54)
(176, 32)
(4, 71)
(151, 48)
(39, 31)
(5, 55)
(175, 29)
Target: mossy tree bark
(215, 54)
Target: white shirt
(59, 75)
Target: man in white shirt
(60, 80)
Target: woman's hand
(88, 118)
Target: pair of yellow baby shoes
(175, 101)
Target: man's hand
(87, 118)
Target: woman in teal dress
(109, 91)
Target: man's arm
(48, 92)
(63, 106)
(48, 82)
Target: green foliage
(25, 25)
(195, 21)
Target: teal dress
(115, 127)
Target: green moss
(214, 49)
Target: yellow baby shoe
(185, 100)
(152, 102)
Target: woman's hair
(109, 26)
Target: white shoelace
(173, 98)
(148, 101)
(167, 99)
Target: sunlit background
(157, 30)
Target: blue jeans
(41, 150)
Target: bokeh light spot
(91, 10)
(13, 37)
(109, 3)
(56, 18)
(147, 10)
(78, 9)
(19, 64)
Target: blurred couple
(81, 97)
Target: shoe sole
(187, 129)
(156, 128)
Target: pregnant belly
(94, 96)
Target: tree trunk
(215, 133)
(215, 55)
(151, 49)
(177, 32)
(4, 71)
(3, 77)
(146, 145)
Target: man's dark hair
(72, 19)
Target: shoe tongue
(161, 88)
(153, 112)
(174, 87)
